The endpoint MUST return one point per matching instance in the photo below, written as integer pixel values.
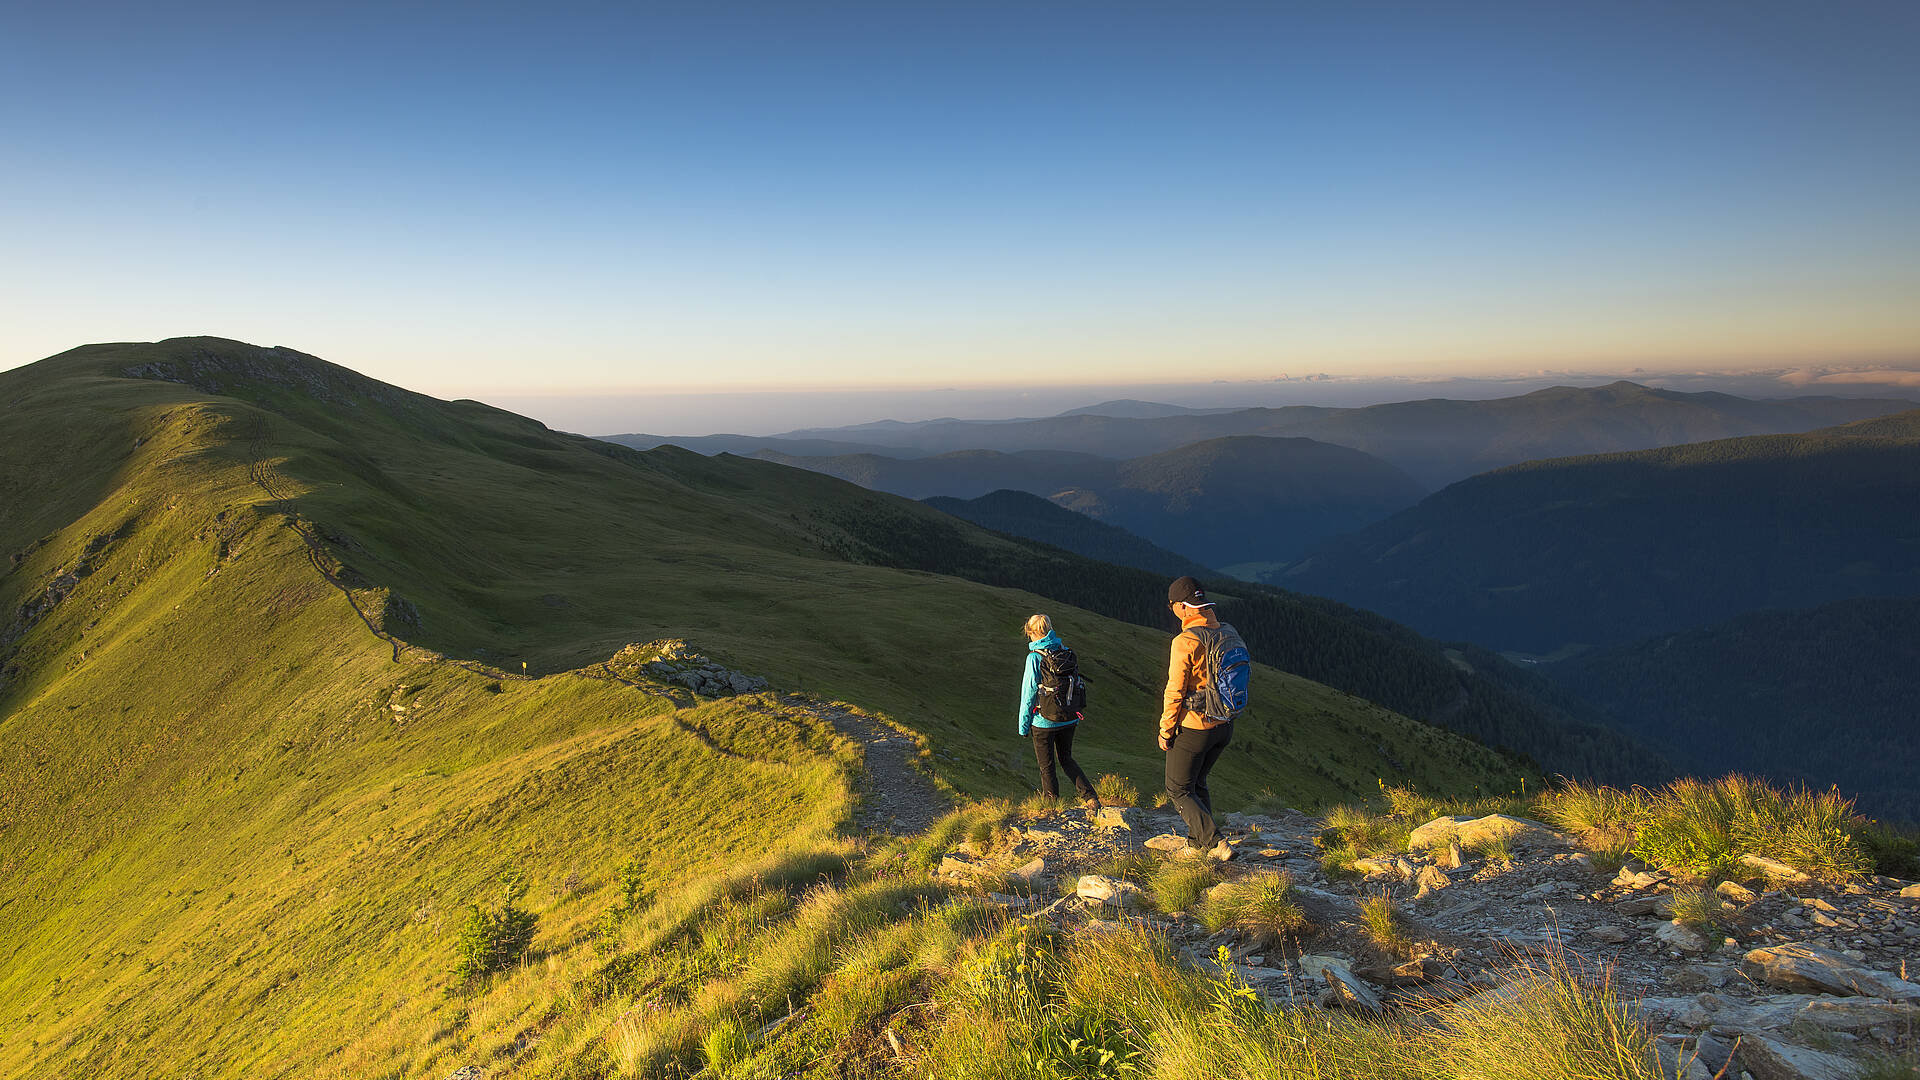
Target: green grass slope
(1609, 549)
(262, 739)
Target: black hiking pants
(1190, 758)
(1050, 744)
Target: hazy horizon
(778, 412)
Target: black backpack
(1063, 692)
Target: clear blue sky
(474, 200)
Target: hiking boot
(1221, 852)
(1092, 803)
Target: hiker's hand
(1165, 744)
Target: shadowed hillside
(1021, 514)
(1821, 696)
(1608, 549)
(1220, 502)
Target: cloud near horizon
(1877, 377)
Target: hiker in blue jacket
(1052, 738)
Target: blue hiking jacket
(1030, 687)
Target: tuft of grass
(1135, 866)
(1364, 831)
(1609, 849)
(1495, 847)
(1580, 806)
(1178, 884)
(1893, 849)
(725, 1046)
(1261, 907)
(1697, 908)
(1557, 1022)
(1704, 827)
(1383, 924)
(1117, 790)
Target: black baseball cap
(1186, 590)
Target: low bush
(495, 936)
(1579, 806)
(1261, 907)
(1704, 828)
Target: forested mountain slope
(1609, 549)
(1219, 502)
(1823, 696)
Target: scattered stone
(1681, 937)
(1700, 977)
(958, 865)
(1640, 879)
(1472, 832)
(1774, 870)
(1859, 1015)
(1680, 1061)
(1911, 892)
(1031, 871)
(1736, 892)
(1454, 857)
(1770, 1059)
(1108, 891)
(466, 1072)
(1430, 879)
(1117, 817)
(1168, 842)
(1349, 991)
(1806, 967)
(1638, 905)
(1609, 934)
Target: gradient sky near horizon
(486, 200)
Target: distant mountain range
(1822, 696)
(1436, 441)
(1218, 502)
(1612, 548)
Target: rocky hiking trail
(1798, 981)
(896, 795)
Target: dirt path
(895, 796)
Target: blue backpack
(1228, 670)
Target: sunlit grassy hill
(262, 738)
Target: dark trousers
(1050, 744)
(1189, 759)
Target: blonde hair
(1038, 626)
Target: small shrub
(1178, 884)
(1161, 800)
(1039, 805)
(1117, 790)
(1381, 920)
(1261, 907)
(633, 885)
(493, 937)
(1557, 1023)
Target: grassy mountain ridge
(1821, 696)
(262, 733)
(1610, 548)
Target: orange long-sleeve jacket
(1184, 676)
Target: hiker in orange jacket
(1192, 739)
